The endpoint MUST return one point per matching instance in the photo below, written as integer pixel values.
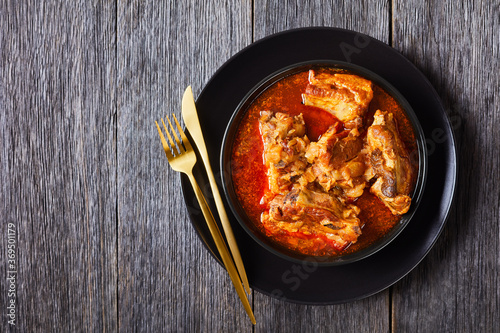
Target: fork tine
(179, 145)
(184, 138)
(172, 144)
(164, 143)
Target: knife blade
(190, 116)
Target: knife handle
(221, 246)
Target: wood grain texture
(58, 163)
(367, 315)
(372, 314)
(168, 281)
(456, 45)
(371, 18)
(102, 236)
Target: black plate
(310, 283)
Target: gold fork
(182, 158)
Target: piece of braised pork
(346, 96)
(313, 213)
(335, 161)
(285, 144)
(390, 162)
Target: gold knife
(192, 122)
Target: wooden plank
(367, 315)
(58, 164)
(369, 18)
(371, 314)
(456, 45)
(168, 281)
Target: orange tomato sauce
(249, 173)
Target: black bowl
(240, 213)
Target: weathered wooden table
(94, 230)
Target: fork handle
(221, 247)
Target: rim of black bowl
(239, 212)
